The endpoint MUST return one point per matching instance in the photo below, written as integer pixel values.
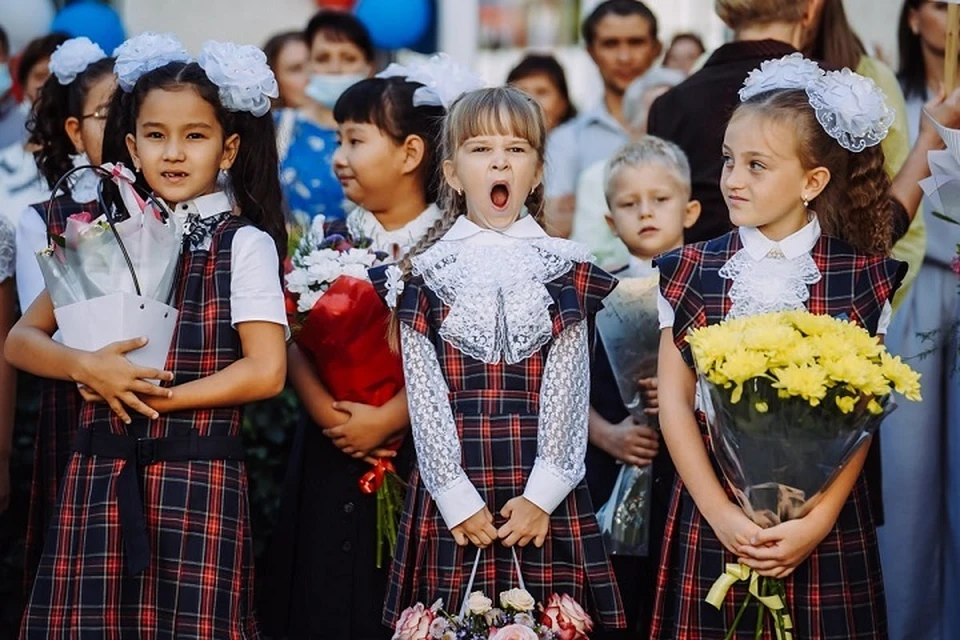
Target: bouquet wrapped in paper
(630, 329)
(340, 323)
(789, 397)
(111, 278)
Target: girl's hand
(117, 381)
(361, 433)
(776, 552)
(629, 442)
(732, 527)
(477, 529)
(526, 522)
(651, 401)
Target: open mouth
(500, 195)
(174, 176)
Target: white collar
(365, 224)
(205, 206)
(639, 268)
(793, 246)
(524, 229)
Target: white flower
(790, 72)
(299, 281)
(394, 285)
(518, 600)
(358, 256)
(316, 226)
(852, 109)
(355, 270)
(325, 271)
(144, 53)
(307, 299)
(525, 619)
(479, 604)
(73, 57)
(443, 79)
(241, 72)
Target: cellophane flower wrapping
(630, 329)
(339, 322)
(788, 398)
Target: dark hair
(387, 103)
(37, 50)
(340, 26)
(913, 70)
(855, 205)
(835, 41)
(617, 8)
(545, 65)
(272, 49)
(692, 37)
(55, 104)
(255, 180)
(4, 42)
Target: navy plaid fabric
(837, 593)
(496, 409)
(56, 421)
(200, 578)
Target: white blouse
(395, 242)
(771, 276)
(493, 282)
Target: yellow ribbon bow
(735, 573)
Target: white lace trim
(499, 306)
(362, 223)
(773, 283)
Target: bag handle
(473, 576)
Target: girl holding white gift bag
(153, 515)
(67, 126)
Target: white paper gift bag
(92, 324)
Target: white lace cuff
(546, 488)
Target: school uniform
(837, 593)
(495, 351)
(151, 535)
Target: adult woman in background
(541, 77)
(341, 54)
(288, 56)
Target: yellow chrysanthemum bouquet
(789, 397)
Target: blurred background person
(684, 52)
(541, 77)
(12, 118)
(288, 57)
(341, 54)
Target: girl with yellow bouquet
(803, 179)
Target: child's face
(369, 164)
(86, 132)
(649, 209)
(763, 182)
(179, 144)
(496, 174)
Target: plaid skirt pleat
(199, 580)
(498, 432)
(835, 594)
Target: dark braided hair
(56, 104)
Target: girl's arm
(681, 432)
(312, 393)
(258, 375)
(370, 428)
(8, 392)
(107, 372)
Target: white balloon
(24, 20)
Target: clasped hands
(526, 523)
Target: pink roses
(566, 617)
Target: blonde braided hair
(498, 110)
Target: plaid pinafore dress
(837, 593)
(496, 412)
(56, 421)
(151, 536)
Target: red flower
(84, 216)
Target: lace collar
(771, 276)
(83, 184)
(494, 284)
(396, 242)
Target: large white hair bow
(144, 53)
(443, 79)
(73, 57)
(242, 74)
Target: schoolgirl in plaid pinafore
(151, 537)
(56, 422)
(496, 407)
(837, 593)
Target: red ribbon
(372, 480)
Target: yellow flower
(846, 404)
(904, 379)
(741, 366)
(807, 382)
(874, 407)
(859, 373)
(709, 346)
(761, 407)
(811, 324)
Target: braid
(536, 203)
(869, 224)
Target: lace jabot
(772, 276)
(494, 284)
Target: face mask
(6, 82)
(326, 89)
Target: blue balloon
(394, 24)
(94, 20)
